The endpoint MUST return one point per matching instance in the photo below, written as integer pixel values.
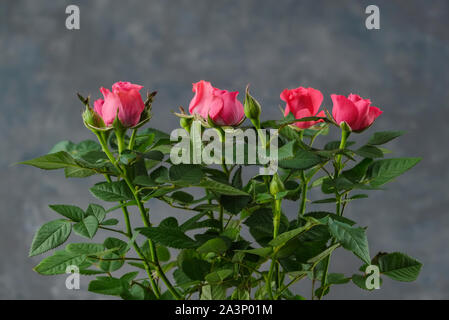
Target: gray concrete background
(167, 45)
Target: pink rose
(126, 98)
(303, 103)
(221, 105)
(355, 111)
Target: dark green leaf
(50, 236)
(399, 266)
(170, 237)
(383, 171)
(220, 187)
(108, 286)
(97, 211)
(58, 262)
(72, 212)
(114, 191)
(87, 227)
(217, 245)
(352, 239)
(383, 137)
(369, 151)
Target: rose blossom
(221, 106)
(303, 102)
(126, 98)
(355, 111)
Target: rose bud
(125, 98)
(252, 109)
(276, 185)
(303, 103)
(355, 111)
(221, 106)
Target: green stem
(132, 140)
(153, 252)
(120, 140)
(221, 217)
(145, 221)
(305, 186)
(273, 268)
(344, 136)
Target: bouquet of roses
(216, 257)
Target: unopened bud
(252, 109)
(276, 185)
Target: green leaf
(72, 212)
(360, 281)
(209, 292)
(220, 187)
(87, 227)
(114, 191)
(64, 145)
(97, 211)
(110, 222)
(185, 174)
(217, 245)
(352, 239)
(323, 254)
(85, 248)
(108, 286)
(52, 161)
(145, 181)
(337, 278)
(163, 253)
(399, 266)
(383, 137)
(324, 217)
(111, 265)
(170, 237)
(218, 276)
(383, 171)
(335, 145)
(112, 243)
(234, 204)
(283, 238)
(287, 150)
(160, 175)
(260, 225)
(357, 173)
(192, 265)
(182, 197)
(369, 151)
(58, 262)
(261, 252)
(78, 172)
(50, 236)
(169, 222)
(237, 181)
(301, 160)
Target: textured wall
(167, 45)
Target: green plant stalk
(120, 134)
(154, 285)
(276, 223)
(144, 216)
(129, 232)
(221, 217)
(338, 167)
(305, 186)
(132, 140)
(146, 222)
